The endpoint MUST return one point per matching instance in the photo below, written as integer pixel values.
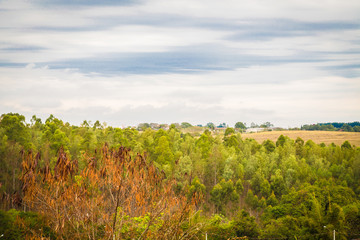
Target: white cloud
(60, 45)
(303, 99)
(233, 9)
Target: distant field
(317, 136)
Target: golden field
(326, 137)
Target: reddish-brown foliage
(117, 196)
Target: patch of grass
(16, 224)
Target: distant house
(221, 126)
(154, 126)
(254, 130)
(164, 126)
(157, 126)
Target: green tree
(229, 169)
(229, 131)
(299, 146)
(88, 140)
(54, 134)
(269, 145)
(184, 169)
(232, 141)
(239, 186)
(163, 152)
(85, 124)
(346, 145)
(36, 122)
(97, 125)
(143, 126)
(352, 216)
(204, 143)
(196, 191)
(240, 125)
(245, 226)
(356, 128)
(272, 200)
(220, 228)
(252, 200)
(210, 125)
(15, 128)
(266, 125)
(277, 183)
(222, 193)
(185, 125)
(281, 141)
(58, 140)
(347, 128)
(286, 227)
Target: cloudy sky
(290, 62)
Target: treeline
(235, 187)
(346, 127)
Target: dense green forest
(229, 186)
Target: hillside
(95, 181)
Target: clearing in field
(326, 137)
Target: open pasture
(326, 137)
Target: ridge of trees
(335, 126)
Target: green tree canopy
(185, 125)
(240, 125)
(15, 128)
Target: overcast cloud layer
(289, 62)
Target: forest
(93, 181)
(346, 127)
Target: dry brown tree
(117, 196)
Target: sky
(125, 62)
